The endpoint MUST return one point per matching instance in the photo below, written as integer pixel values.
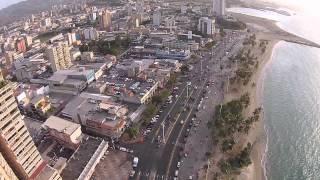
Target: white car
(178, 164)
(176, 173)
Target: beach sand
(266, 30)
(257, 135)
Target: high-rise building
(140, 7)
(71, 38)
(90, 34)
(156, 18)
(206, 26)
(59, 56)
(219, 7)
(19, 154)
(32, 18)
(28, 40)
(169, 22)
(6, 173)
(105, 20)
(16, 144)
(21, 45)
(46, 22)
(93, 16)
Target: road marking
(157, 132)
(172, 127)
(179, 135)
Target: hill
(25, 9)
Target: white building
(65, 132)
(71, 38)
(90, 34)
(206, 26)
(59, 56)
(93, 17)
(156, 19)
(184, 9)
(219, 7)
(46, 22)
(169, 23)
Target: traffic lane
(166, 164)
(178, 152)
(148, 149)
(149, 158)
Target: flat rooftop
(80, 158)
(61, 125)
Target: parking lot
(115, 165)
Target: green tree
(133, 131)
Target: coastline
(257, 135)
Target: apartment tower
(105, 20)
(20, 159)
(219, 7)
(59, 56)
(6, 173)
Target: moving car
(135, 162)
(176, 173)
(179, 164)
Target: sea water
(291, 101)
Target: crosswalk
(150, 176)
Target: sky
(6, 3)
(309, 6)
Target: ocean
(291, 101)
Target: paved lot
(116, 165)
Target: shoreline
(257, 135)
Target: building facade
(59, 56)
(206, 26)
(16, 143)
(6, 173)
(219, 7)
(156, 18)
(105, 20)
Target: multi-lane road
(160, 161)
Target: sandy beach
(257, 135)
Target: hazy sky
(6, 3)
(311, 6)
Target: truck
(135, 162)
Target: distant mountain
(25, 9)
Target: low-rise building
(176, 44)
(97, 114)
(27, 69)
(40, 105)
(82, 163)
(65, 132)
(72, 81)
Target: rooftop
(46, 173)
(80, 158)
(61, 125)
